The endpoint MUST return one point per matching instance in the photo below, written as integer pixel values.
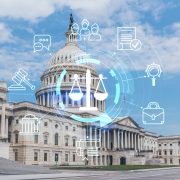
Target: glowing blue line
(82, 61)
(58, 84)
(117, 93)
(113, 74)
(104, 119)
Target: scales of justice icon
(76, 96)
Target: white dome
(68, 54)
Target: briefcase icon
(153, 114)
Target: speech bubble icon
(38, 46)
(44, 39)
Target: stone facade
(169, 149)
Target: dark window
(66, 127)
(171, 161)
(16, 156)
(56, 139)
(74, 128)
(66, 141)
(74, 157)
(45, 139)
(165, 152)
(65, 78)
(171, 152)
(159, 145)
(16, 138)
(56, 126)
(45, 156)
(170, 144)
(17, 121)
(66, 157)
(74, 142)
(45, 124)
(56, 157)
(35, 156)
(70, 78)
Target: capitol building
(121, 142)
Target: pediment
(128, 122)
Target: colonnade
(113, 139)
(50, 99)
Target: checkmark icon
(136, 44)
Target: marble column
(43, 99)
(122, 140)
(90, 135)
(48, 99)
(135, 141)
(105, 160)
(138, 139)
(6, 128)
(132, 140)
(125, 134)
(104, 136)
(128, 139)
(95, 136)
(100, 138)
(118, 139)
(3, 121)
(115, 139)
(108, 143)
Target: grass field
(112, 168)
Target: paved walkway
(161, 174)
(10, 170)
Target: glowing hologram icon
(153, 70)
(19, 78)
(30, 125)
(41, 41)
(90, 146)
(153, 114)
(95, 36)
(126, 39)
(76, 96)
(100, 96)
(85, 32)
(75, 32)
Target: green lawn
(112, 168)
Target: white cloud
(5, 34)
(157, 47)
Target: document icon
(153, 114)
(126, 39)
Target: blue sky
(158, 28)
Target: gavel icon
(20, 77)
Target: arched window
(70, 78)
(65, 78)
(56, 139)
(54, 79)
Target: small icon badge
(153, 114)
